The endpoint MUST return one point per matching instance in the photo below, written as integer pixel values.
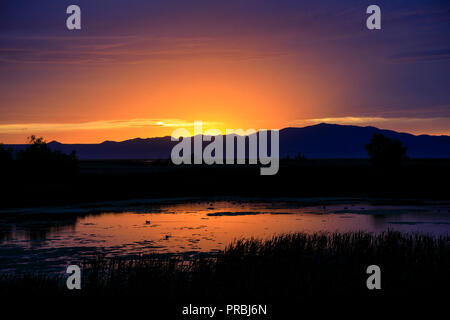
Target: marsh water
(49, 239)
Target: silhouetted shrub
(39, 160)
(386, 152)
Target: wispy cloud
(421, 56)
(350, 120)
(123, 50)
(97, 125)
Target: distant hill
(340, 141)
(317, 141)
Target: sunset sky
(145, 68)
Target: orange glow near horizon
(147, 68)
(91, 103)
(103, 103)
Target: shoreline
(111, 181)
(121, 205)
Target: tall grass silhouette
(290, 265)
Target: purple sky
(141, 68)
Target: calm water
(50, 239)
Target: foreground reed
(291, 265)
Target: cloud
(421, 56)
(97, 125)
(122, 49)
(354, 120)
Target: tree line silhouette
(38, 160)
(386, 152)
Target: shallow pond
(50, 239)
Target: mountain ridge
(322, 140)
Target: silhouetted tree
(39, 159)
(386, 152)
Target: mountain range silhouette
(321, 141)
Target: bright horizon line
(34, 128)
